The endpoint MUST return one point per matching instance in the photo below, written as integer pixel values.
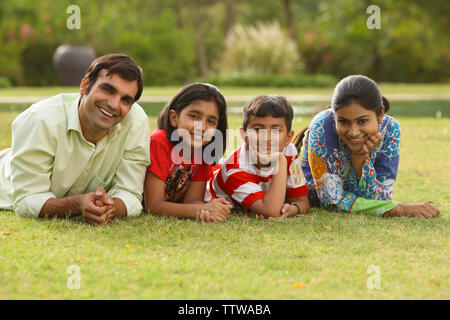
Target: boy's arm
(270, 206)
(290, 209)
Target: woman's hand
(215, 210)
(372, 142)
(358, 158)
(415, 210)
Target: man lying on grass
(265, 171)
(85, 154)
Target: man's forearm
(62, 207)
(120, 210)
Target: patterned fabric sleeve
(325, 167)
(378, 176)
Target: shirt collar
(73, 120)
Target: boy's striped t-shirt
(238, 181)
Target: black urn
(71, 63)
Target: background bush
(4, 82)
(165, 59)
(272, 80)
(36, 61)
(259, 50)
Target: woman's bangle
(298, 207)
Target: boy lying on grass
(265, 171)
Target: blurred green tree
(176, 41)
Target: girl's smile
(199, 119)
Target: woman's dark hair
(186, 96)
(116, 63)
(359, 89)
(355, 88)
(269, 105)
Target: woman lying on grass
(176, 179)
(352, 152)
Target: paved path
(240, 98)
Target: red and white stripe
(239, 182)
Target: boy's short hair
(269, 105)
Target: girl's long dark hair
(355, 88)
(187, 95)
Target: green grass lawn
(321, 255)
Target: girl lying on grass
(352, 152)
(176, 179)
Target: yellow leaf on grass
(12, 234)
(298, 285)
(128, 246)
